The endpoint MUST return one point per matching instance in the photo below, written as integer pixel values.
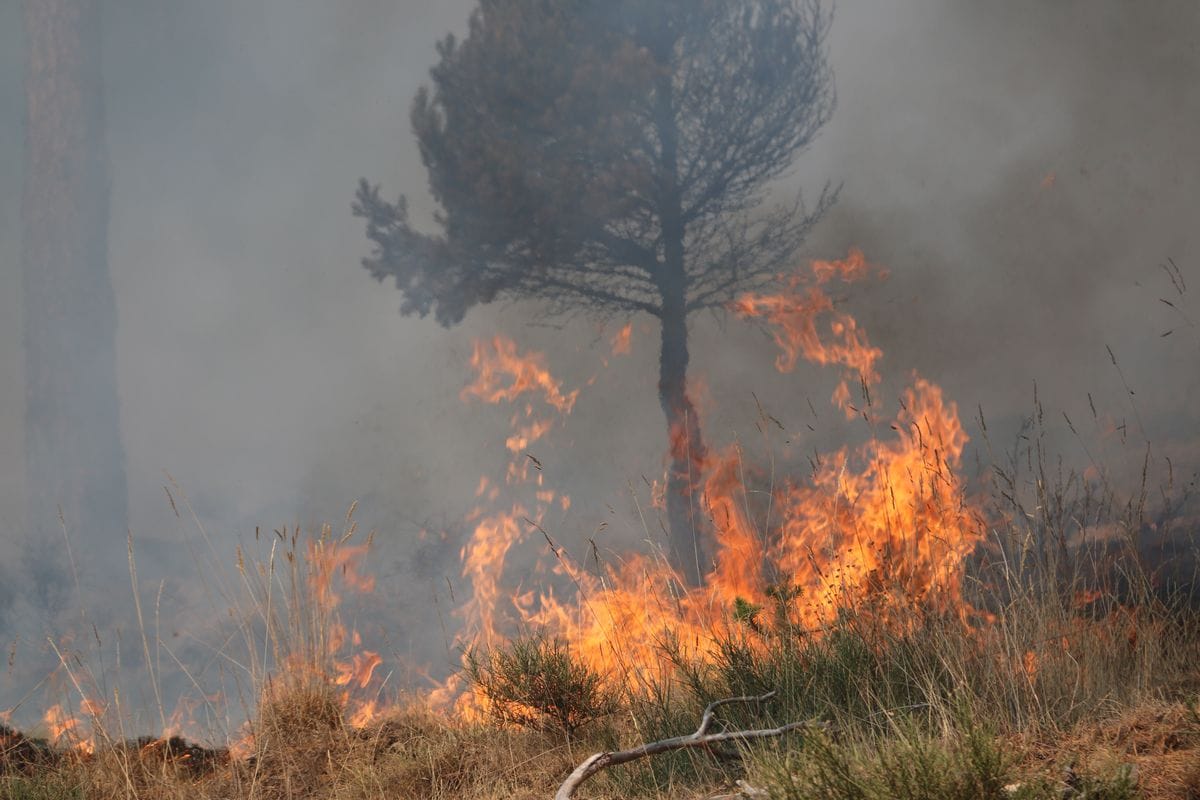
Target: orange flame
(1029, 664)
(622, 341)
(68, 730)
(504, 375)
(359, 670)
(879, 529)
(796, 315)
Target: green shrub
(536, 682)
(908, 765)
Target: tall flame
(878, 528)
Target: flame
(892, 521)
(878, 529)
(327, 652)
(483, 560)
(66, 729)
(182, 719)
(525, 373)
(59, 723)
(622, 341)
(852, 268)
(335, 567)
(364, 714)
(329, 559)
(796, 315)
(358, 671)
(504, 375)
(1029, 664)
(242, 747)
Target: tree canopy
(612, 158)
(568, 142)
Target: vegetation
(1049, 697)
(535, 682)
(1067, 669)
(612, 158)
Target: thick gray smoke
(1023, 170)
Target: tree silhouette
(611, 158)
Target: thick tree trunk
(74, 461)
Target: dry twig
(701, 738)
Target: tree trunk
(74, 462)
(685, 447)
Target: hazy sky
(1023, 169)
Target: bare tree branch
(701, 738)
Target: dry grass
(1108, 715)
(1076, 674)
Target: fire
(884, 524)
(622, 341)
(336, 566)
(358, 671)
(317, 649)
(796, 316)
(504, 375)
(497, 360)
(854, 267)
(483, 560)
(889, 524)
(1029, 664)
(66, 729)
(330, 559)
(878, 529)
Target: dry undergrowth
(1159, 741)
(1077, 678)
(1138, 745)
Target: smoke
(12, 441)
(1025, 172)
(1023, 169)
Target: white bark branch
(701, 738)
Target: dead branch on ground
(701, 738)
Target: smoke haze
(1023, 170)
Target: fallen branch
(701, 738)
